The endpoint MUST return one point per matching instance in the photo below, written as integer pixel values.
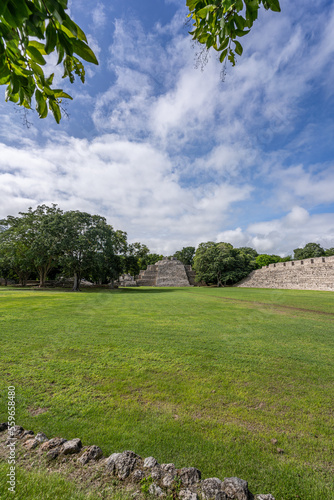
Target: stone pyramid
(167, 273)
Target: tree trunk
(23, 280)
(76, 284)
(42, 277)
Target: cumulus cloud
(177, 156)
(131, 183)
(282, 236)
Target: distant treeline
(48, 243)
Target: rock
(150, 462)
(156, 473)
(122, 464)
(155, 490)
(52, 443)
(280, 451)
(268, 496)
(138, 475)
(72, 446)
(31, 444)
(273, 441)
(110, 462)
(27, 433)
(235, 488)
(15, 431)
(211, 487)
(168, 468)
(41, 437)
(3, 426)
(189, 476)
(92, 453)
(187, 495)
(168, 480)
(53, 454)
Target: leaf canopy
(22, 56)
(218, 23)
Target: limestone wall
(308, 274)
(167, 273)
(133, 473)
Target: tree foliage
(221, 23)
(221, 264)
(186, 255)
(29, 31)
(77, 243)
(310, 250)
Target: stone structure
(126, 280)
(145, 475)
(167, 273)
(307, 274)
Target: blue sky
(174, 155)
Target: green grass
(199, 377)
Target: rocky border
(146, 475)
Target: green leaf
(54, 107)
(61, 53)
(49, 80)
(272, 5)
(241, 33)
(35, 55)
(3, 6)
(59, 93)
(66, 42)
(224, 44)
(38, 45)
(51, 38)
(85, 52)
(202, 13)
(223, 55)
(239, 21)
(41, 106)
(238, 48)
(36, 69)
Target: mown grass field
(200, 377)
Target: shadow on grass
(97, 290)
(150, 290)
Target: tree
(22, 56)
(222, 264)
(264, 259)
(32, 241)
(329, 252)
(15, 246)
(219, 23)
(186, 255)
(249, 251)
(5, 267)
(310, 250)
(149, 259)
(85, 238)
(136, 253)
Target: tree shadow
(152, 290)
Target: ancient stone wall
(308, 274)
(167, 273)
(143, 475)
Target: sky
(176, 154)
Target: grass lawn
(200, 377)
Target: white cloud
(131, 183)
(281, 236)
(99, 16)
